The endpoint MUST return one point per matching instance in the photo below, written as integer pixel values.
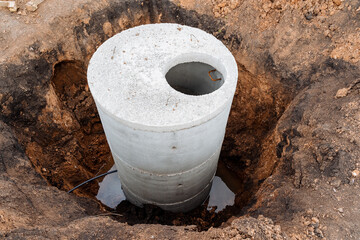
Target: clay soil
(292, 140)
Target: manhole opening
(194, 78)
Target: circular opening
(194, 78)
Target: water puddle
(220, 195)
(111, 194)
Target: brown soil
(75, 146)
(295, 164)
(67, 144)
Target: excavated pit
(291, 150)
(76, 148)
(66, 144)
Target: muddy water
(222, 194)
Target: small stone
(309, 212)
(327, 33)
(310, 230)
(32, 5)
(335, 183)
(333, 28)
(351, 181)
(309, 16)
(318, 233)
(226, 10)
(341, 210)
(337, 2)
(315, 222)
(107, 28)
(277, 5)
(234, 4)
(267, 7)
(9, 4)
(277, 229)
(355, 173)
(232, 233)
(342, 93)
(221, 5)
(22, 13)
